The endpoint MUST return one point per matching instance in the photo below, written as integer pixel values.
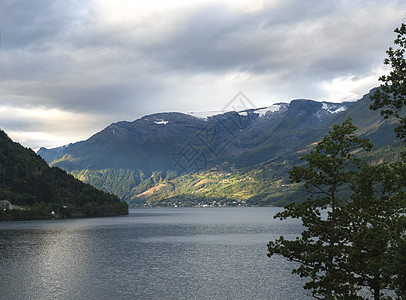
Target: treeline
(39, 191)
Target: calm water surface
(183, 253)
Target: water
(184, 253)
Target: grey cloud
(35, 23)
(218, 40)
(82, 97)
(60, 54)
(19, 124)
(206, 42)
(301, 36)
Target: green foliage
(351, 241)
(391, 95)
(377, 225)
(28, 182)
(321, 249)
(332, 164)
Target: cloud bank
(70, 68)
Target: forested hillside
(29, 188)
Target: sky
(68, 69)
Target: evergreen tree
(391, 95)
(322, 250)
(361, 243)
(377, 223)
(391, 98)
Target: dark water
(185, 253)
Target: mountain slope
(155, 157)
(370, 123)
(27, 182)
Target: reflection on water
(150, 254)
(62, 258)
(40, 263)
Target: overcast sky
(70, 68)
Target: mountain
(56, 152)
(155, 142)
(30, 189)
(159, 157)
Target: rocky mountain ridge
(157, 137)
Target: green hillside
(265, 184)
(30, 189)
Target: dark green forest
(30, 189)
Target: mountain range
(232, 158)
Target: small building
(5, 204)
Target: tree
(376, 214)
(391, 95)
(391, 98)
(322, 249)
(355, 216)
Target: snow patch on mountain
(270, 109)
(333, 108)
(161, 122)
(204, 115)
